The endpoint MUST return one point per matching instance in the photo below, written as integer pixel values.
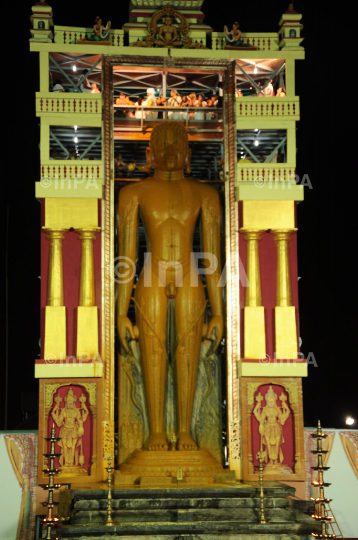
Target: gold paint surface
(286, 332)
(283, 278)
(169, 221)
(274, 368)
(64, 213)
(254, 332)
(55, 333)
(87, 333)
(69, 370)
(266, 215)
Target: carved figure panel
(72, 418)
(273, 422)
(168, 28)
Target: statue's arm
(58, 416)
(211, 244)
(127, 248)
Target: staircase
(224, 511)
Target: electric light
(74, 67)
(255, 70)
(75, 128)
(75, 140)
(256, 143)
(350, 421)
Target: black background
(326, 219)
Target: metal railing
(185, 116)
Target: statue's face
(168, 21)
(70, 403)
(170, 150)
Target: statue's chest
(175, 202)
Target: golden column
(285, 313)
(55, 313)
(87, 313)
(254, 312)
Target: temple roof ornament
(167, 35)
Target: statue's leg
(189, 317)
(151, 316)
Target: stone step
(184, 515)
(205, 536)
(174, 531)
(160, 503)
(271, 489)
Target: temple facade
(225, 367)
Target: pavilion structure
(244, 146)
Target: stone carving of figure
(168, 35)
(100, 32)
(233, 37)
(170, 206)
(271, 420)
(70, 420)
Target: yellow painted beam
(280, 191)
(181, 53)
(68, 368)
(64, 213)
(89, 188)
(264, 215)
(269, 367)
(290, 77)
(44, 72)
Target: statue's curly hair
(164, 127)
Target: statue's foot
(185, 442)
(157, 441)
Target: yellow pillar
(87, 313)
(254, 313)
(285, 313)
(55, 313)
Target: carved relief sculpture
(271, 419)
(71, 419)
(167, 35)
(169, 295)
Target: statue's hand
(124, 325)
(216, 327)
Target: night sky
(326, 238)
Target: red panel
(288, 447)
(87, 439)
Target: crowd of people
(85, 87)
(175, 100)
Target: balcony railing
(268, 107)
(66, 102)
(71, 35)
(263, 41)
(71, 169)
(199, 119)
(260, 173)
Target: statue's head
(168, 21)
(70, 399)
(271, 397)
(169, 149)
(235, 25)
(98, 20)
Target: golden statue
(169, 205)
(271, 420)
(70, 420)
(168, 35)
